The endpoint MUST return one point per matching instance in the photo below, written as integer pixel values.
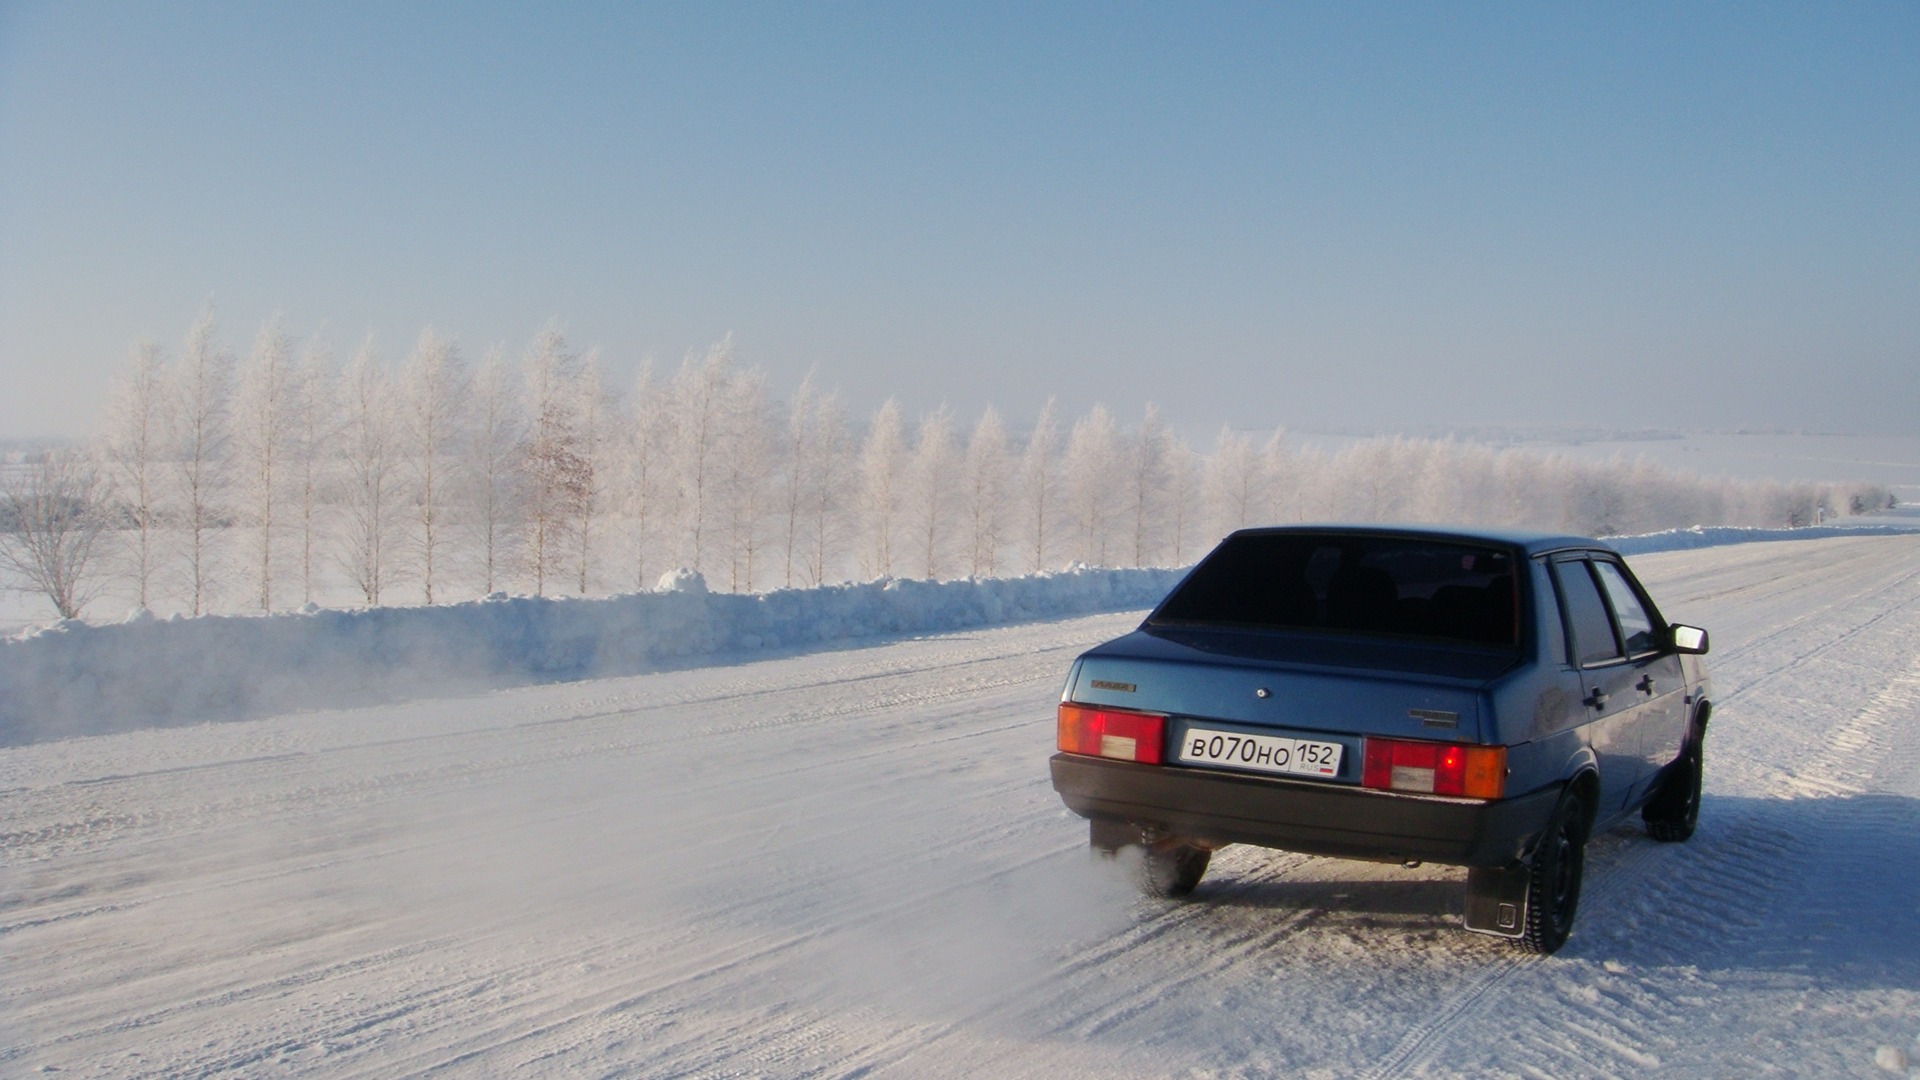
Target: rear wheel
(1172, 869)
(1169, 865)
(1553, 879)
(1674, 810)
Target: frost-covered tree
(52, 514)
(1092, 473)
(1232, 483)
(698, 396)
(491, 479)
(1038, 487)
(135, 449)
(370, 454)
(1146, 477)
(434, 390)
(749, 448)
(1519, 479)
(595, 412)
(1378, 475)
(1455, 484)
(798, 474)
(309, 453)
(200, 418)
(882, 461)
(556, 473)
(826, 510)
(1183, 485)
(1279, 480)
(642, 446)
(987, 476)
(930, 490)
(262, 411)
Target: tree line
(279, 477)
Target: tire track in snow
(911, 750)
(45, 840)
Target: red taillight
(1477, 772)
(1113, 733)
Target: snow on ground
(851, 863)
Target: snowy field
(851, 863)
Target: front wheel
(1553, 879)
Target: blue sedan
(1480, 699)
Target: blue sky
(1358, 217)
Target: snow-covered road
(850, 863)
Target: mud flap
(1497, 899)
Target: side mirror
(1687, 639)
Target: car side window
(1593, 639)
(1636, 626)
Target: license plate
(1260, 753)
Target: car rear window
(1407, 587)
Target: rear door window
(1587, 617)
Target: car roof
(1531, 542)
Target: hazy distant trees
(533, 473)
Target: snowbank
(73, 678)
(1719, 535)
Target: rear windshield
(1402, 586)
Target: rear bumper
(1303, 815)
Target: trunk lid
(1296, 683)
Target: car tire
(1553, 878)
(1674, 810)
(1171, 869)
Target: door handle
(1646, 684)
(1597, 699)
